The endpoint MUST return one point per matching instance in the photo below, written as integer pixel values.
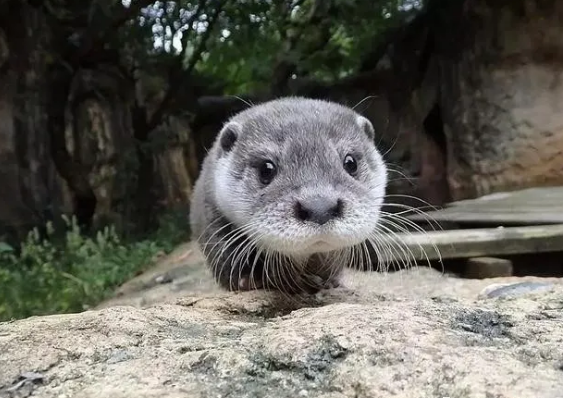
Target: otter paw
(246, 283)
(319, 283)
(333, 284)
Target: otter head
(300, 176)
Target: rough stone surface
(415, 333)
(503, 133)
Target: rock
(25, 384)
(502, 133)
(413, 333)
(514, 289)
(182, 270)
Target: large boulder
(500, 88)
(414, 333)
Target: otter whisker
(214, 235)
(241, 251)
(289, 269)
(334, 264)
(355, 259)
(406, 231)
(408, 223)
(391, 229)
(398, 195)
(363, 100)
(384, 248)
(379, 245)
(249, 103)
(403, 176)
(229, 239)
(247, 250)
(257, 257)
(283, 279)
(366, 256)
(395, 245)
(418, 210)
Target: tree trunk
(33, 190)
(58, 92)
(67, 133)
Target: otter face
(300, 176)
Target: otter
(288, 191)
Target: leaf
(6, 248)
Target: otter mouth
(324, 245)
(321, 244)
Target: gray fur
(307, 140)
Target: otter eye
(266, 172)
(350, 165)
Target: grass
(73, 272)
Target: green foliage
(325, 39)
(239, 48)
(74, 272)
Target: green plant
(71, 272)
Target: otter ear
(366, 126)
(228, 135)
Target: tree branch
(94, 37)
(173, 84)
(285, 66)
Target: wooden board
(465, 243)
(526, 207)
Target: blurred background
(107, 108)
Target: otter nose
(318, 209)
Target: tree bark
(83, 197)
(34, 190)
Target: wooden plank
(501, 208)
(510, 202)
(529, 206)
(529, 195)
(476, 243)
(505, 218)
